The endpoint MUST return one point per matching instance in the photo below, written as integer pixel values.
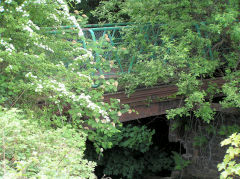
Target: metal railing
(113, 35)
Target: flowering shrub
(48, 76)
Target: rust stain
(147, 101)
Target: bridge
(146, 101)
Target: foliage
(47, 75)
(157, 161)
(123, 162)
(232, 91)
(199, 141)
(230, 167)
(29, 150)
(127, 164)
(227, 130)
(86, 6)
(197, 40)
(180, 163)
(125, 158)
(132, 154)
(110, 11)
(134, 138)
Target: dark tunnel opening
(151, 162)
(160, 138)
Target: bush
(30, 150)
(49, 75)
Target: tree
(182, 42)
(46, 74)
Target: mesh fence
(114, 37)
(113, 41)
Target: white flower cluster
(91, 105)
(65, 12)
(29, 29)
(84, 57)
(8, 1)
(10, 67)
(45, 47)
(8, 47)
(74, 21)
(60, 88)
(82, 75)
(39, 88)
(61, 64)
(31, 24)
(30, 75)
(55, 17)
(79, 49)
(20, 8)
(88, 54)
(1, 9)
(39, 1)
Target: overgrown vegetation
(198, 40)
(133, 155)
(34, 78)
(29, 150)
(47, 77)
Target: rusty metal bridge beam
(153, 101)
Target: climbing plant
(197, 40)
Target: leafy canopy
(191, 41)
(47, 77)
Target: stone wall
(204, 158)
